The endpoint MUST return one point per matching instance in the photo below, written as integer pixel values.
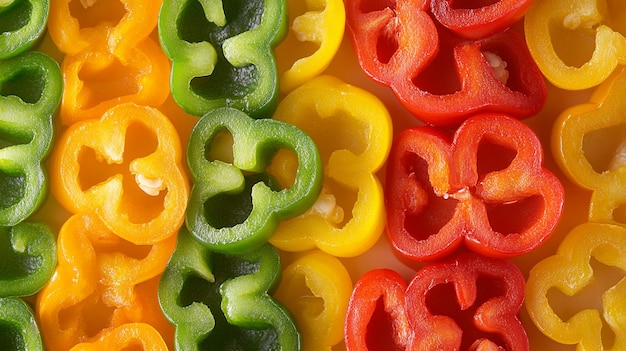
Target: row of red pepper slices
(463, 194)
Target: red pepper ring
(472, 21)
(487, 189)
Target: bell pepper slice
(377, 318)
(22, 23)
(316, 288)
(316, 29)
(222, 53)
(101, 282)
(97, 80)
(587, 143)
(75, 26)
(236, 205)
(487, 188)
(30, 92)
(18, 326)
(353, 132)
(400, 45)
(469, 302)
(138, 336)
(479, 20)
(597, 28)
(126, 168)
(27, 258)
(571, 273)
(221, 301)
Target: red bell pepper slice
(487, 188)
(440, 77)
(470, 302)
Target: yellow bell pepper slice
(577, 43)
(130, 336)
(316, 288)
(588, 145)
(353, 132)
(316, 28)
(570, 272)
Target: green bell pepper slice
(22, 22)
(222, 302)
(28, 258)
(30, 92)
(222, 53)
(18, 327)
(235, 207)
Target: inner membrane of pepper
(11, 336)
(226, 81)
(15, 16)
(96, 13)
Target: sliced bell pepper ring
(27, 258)
(101, 282)
(138, 336)
(221, 301)
(127, 169)
(235, 207)
(30, 92)
(22, 23)
(316, 29)
(597, 28)
(570, 271)
(18, 326)
(75, 26)
(481, 19)
(469, 302)
(222, 53)
(588, 144)
(316, 288)
(353, 131)
(401, 46)
(486, 189)
(97, 80)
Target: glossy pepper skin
(18, 326)
(27, 258)
(400, 45)
(236, 205)
(101, 282)
(222, 53)
(570, 272)
(353, 132)
(126, 168)
(587, 142)
(222, 302)
(595, 26)
(30, 92)
(469, 302)
(76, 27)
(316, 288)
(139, 336)
(21, 24)
(486, 188)
(317, 24)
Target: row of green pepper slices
(30, 92)
(223, 251)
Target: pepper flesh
(486, 189)
(570, 271)
(139, 336)
(141, 190)
(399, 45)
(30, 92)
(256, 206)
(221, 301)
(353, 131)
(595, 26)
(18, 326)
(22, 23)
(586, 138)
(222, 53)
